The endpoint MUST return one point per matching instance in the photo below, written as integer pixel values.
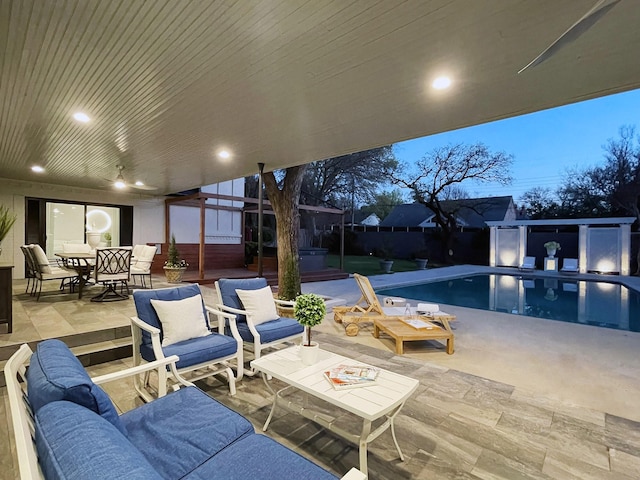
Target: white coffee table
(385, 398)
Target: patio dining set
(79, 265)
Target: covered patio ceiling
(167, 84)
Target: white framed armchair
(257, 320)
(175, 321)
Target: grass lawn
(368, 265)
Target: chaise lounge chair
(369, 309)
(570, 265)
(528, 263)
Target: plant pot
(93, 239)
(174, 274)
(421, 263)
(385, 265)
(551, 252)
(309, 353)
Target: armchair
(258, 330)
(175, 321)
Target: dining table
(81, 262)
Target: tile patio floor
(472, 416)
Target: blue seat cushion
(146, 312)
(56, 374)
(272, 330)
(228, 293)
(259, 457)
(195, 350)
(74, 443)
(179, 432)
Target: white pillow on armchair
(259, 304)
(181, 319)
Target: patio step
(91, 348)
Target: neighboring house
(370, 221)
(471, 212)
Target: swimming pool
(601, 304)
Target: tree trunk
(285, 202)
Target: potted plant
(107, 238)
(384, 253)
(7, 219)
(421, 258)
(552, 247)
(309, 311)
(174, 267)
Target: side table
(6, 294)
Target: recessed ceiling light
(224, 154)
(441, 83)
(37, 169)
(81, 117)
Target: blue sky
(544, 144)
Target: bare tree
(437, 173)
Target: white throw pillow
(181, 319)
(259, 304)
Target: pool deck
(596, 368)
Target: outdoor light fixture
(37, 169)
(119, 183)
(441, 83)
(224, 154)
(81, 117)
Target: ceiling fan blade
(599, 10)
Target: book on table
(351, 376)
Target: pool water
(601, 304)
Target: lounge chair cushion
(268, 460)
(147, 313)
(56, 374)
(181, 319)
(228, 289)
(195, 350)
(63, 454)
(258, 304)
(41, 258)
(198, 426)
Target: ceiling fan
(121, 183)
(588, 20)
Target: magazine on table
(351, 376)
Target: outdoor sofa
(185, 434)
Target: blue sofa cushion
(195, 350)
(56, 374)
(272, 330)
(230, 298)
(74, 443)
(147, 313)
(259, 457)
(179, 432)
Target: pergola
(604, 244)
(199, 200)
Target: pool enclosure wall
(604, 244)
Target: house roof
(471, 212)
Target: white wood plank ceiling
(167, 83)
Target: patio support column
(260, 215)
(342, 242)
(582, 248)
(202, 238)
(522, 243)
(492, 246)
(625, 249)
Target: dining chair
(44, 271)
(141, 263)
(112, 269)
